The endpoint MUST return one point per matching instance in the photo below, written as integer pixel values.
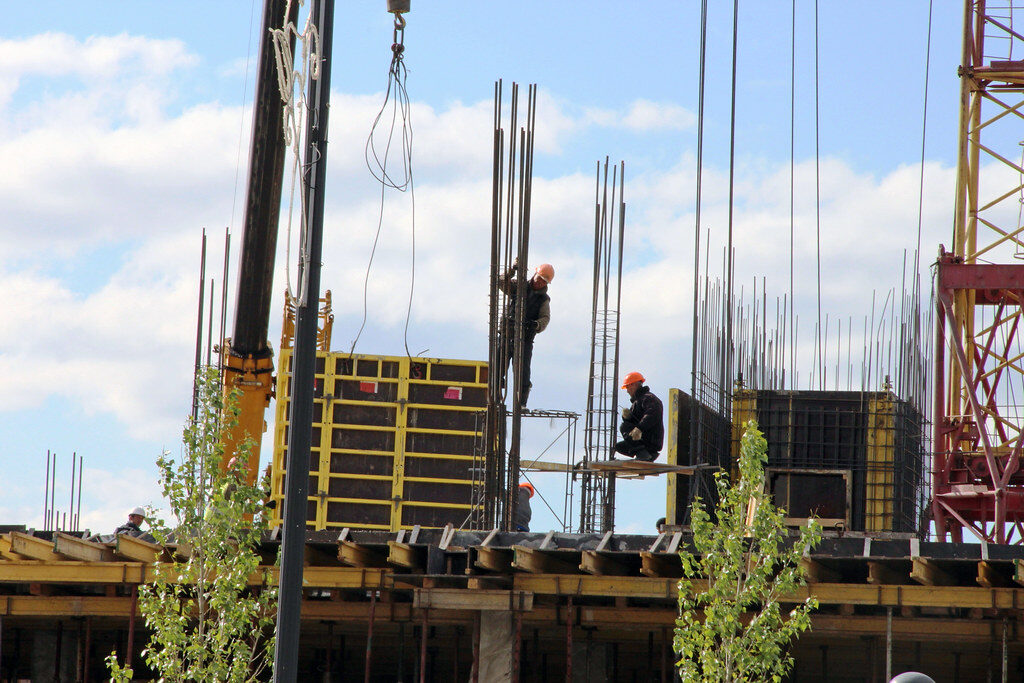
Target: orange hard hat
(545, 272)
(528, 486)
(632, 377)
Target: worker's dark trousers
(524, 382)
(635, 449)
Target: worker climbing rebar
(536, 316)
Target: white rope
(290, 81)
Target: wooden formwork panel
(393, 440)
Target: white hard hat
(137, 511)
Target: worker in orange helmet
(642, 428)
(536, 316)
(523, 512)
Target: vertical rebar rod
(46, 494)
(78, 510)
(71, 504)
(199, 330)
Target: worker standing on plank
(536, 316)
(523, 512)
(642, 429)
(133, 526)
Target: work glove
(635, 434)
(626, 413)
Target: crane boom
(248, 359)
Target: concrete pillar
(52, 650)
(496, 647)
(591, 661)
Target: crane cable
(817, 198)
(396, 97)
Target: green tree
(206, 622)
(731, 625)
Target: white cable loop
(290, 81)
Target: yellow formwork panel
(393, 440)
(672, 515)
(880, 484)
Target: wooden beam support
(660, 565)
(355, 555)
(1018, 572)
(315, 557)
(5, 550)
(881, 574)
(928, 573)
(604, 564)
(405, 555)
(816, 572)
(989, 576)
(458, 598)
(137, 550)
(493, 559)
(36, 548)
(75, 548)
(540, 562)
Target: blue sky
(123, 121)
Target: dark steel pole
(286, 649)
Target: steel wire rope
(397, 96)
(817, 193)
(697, 204)
(725, 373)
(241, 116)
(792, 187)
(924, 130)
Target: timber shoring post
(1005, 671)
(458, 643)
(129, 651)
(79, 650)
(474, 672)
(517, 644)
(57, 650)
(568, 641)
(664, 656)
(888, 643)
(401, 651)
(330, 650)
(650, 655)
(423, 648)
(88, 648)
(369, 635)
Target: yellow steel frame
(400, 455)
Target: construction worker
(133, 526)
(523, 512)
(642, 429)
(536, 316)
